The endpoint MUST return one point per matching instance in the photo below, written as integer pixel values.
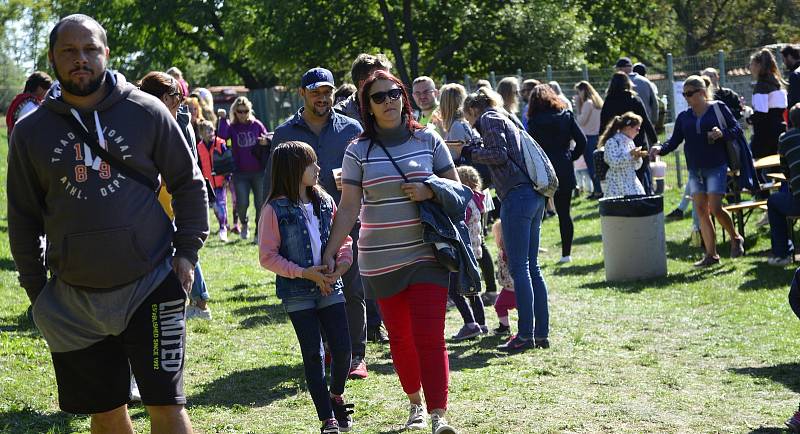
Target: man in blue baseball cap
(329, 133)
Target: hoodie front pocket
(102, 259)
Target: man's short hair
(423, 79)
(791, 50)
(640, 69)
(366, 63)
(794, 115)
(76, 19)
(36, 80)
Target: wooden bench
(741, 212)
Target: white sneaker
(416, 417)
(439, 425)
(223, 235)
(135, 395)
(192, 311)
(565, 259)
(779, 262)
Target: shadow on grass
(248, 298)
(765, 276)
(462, 355)
(588, 239)
(768, 430)
(32, 421)
(636, 286)
(586, 216)
(577, 269)
(238, 287)
(261, 315)
(252, 387)
(21, 323)
(7, 264)
(785, 373)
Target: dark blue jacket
(793, 96)
(554, 130)
(443, 221)
(329, 145)
(296, 244)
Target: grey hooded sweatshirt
(103, 230)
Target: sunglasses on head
(690, 93)
(380, 97)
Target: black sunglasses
(380, 97)
(690, 93)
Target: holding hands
(327, 274)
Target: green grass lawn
(696, 351)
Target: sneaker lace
(415, 413)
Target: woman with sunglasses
(397, 267)
(707, 162)
(245, 132)
(620, 99)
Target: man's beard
(324, 113)
(78, 90)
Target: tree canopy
(261, 43)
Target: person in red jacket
(31, 97)
(208, 145)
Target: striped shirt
(391, 233)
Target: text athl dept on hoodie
(103, 228)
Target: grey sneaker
(416, 417)
(439, 425)
(468, 331)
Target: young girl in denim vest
(295, 226)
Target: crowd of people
(372, 215)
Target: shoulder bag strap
(111, 159)
(720, 117)
(394, 163)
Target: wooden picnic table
(768, 162)
(741, 212)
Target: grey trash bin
(634, 244)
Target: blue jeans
(588, 156)
(199, 290)
(779, 205)
(470, 308)
(308, 325)
(244, 183)
(521, 218)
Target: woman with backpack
(521, 213)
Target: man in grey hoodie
(115, 297)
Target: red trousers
(414, 319)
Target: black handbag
(731, 146)
(444, 252)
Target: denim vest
(296, 244)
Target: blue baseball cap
(317, 77)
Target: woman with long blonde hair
(245, 133)
(588, 105)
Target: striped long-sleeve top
(390, 246)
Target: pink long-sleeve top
(269, 241)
